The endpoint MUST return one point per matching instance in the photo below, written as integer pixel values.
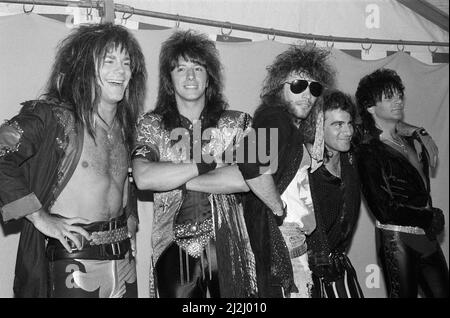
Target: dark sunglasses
(298, 86)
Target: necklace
(109, 128)
(400, 144)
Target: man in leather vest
(278, 212)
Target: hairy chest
(105, 156)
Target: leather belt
(110, 244)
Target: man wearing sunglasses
(277, 224)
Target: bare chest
(106, 156)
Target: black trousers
(410, 261)
(179, 275)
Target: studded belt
(109, 244)
(107, 237)
(194, 237)
(400, 228)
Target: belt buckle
(113, 225)
(115, 247)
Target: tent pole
(270, 32)
(228, 25)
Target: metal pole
(59, 3)
(228, 25)
(270, 31)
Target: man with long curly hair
(277, 224)
(63, 168)
(199, 239)
(394, 169)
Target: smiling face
(190, 81)
(338, 130)
(300, 105)
(114, 74)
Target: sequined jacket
(237, 276)
(39, 151)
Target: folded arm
(224, 180)
(271, 130)
(162, 176)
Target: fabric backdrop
(27, 48)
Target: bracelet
(284, 209)
(279, 219)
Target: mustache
(303, 103)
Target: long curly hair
(370, 91)
(198, 48)
(308, 59)
(76, 68)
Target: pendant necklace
(109, 130)
(400, 144)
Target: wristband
(280, 218)
(205, 167)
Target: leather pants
(410, 261)
(179, 275)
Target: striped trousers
(344, 284)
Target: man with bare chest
(395, 182)
(103, 166)
(63, 166)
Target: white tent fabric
(381, 19)
(27, 47)
(384, 19)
